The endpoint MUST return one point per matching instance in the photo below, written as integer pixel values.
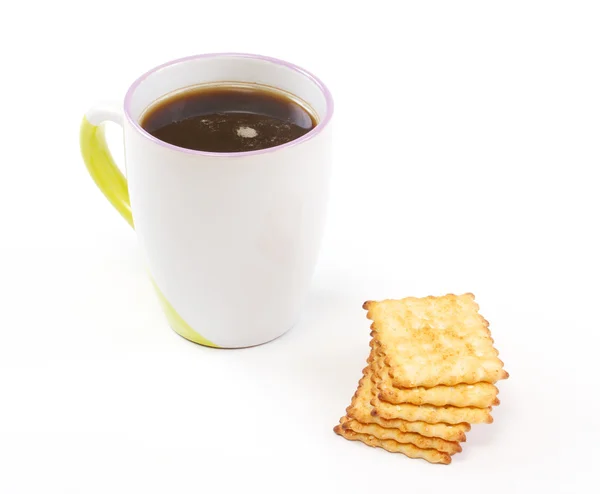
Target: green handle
(99, 161)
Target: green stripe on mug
(178, 324)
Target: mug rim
(309, 135)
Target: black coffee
(228, 118)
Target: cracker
(431, 414)
(360, 409)
(401, 437)
(481, 395)
(410, 450)
(425, 413)
(435, 341)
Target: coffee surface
(228, 118)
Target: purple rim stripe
(309, 135)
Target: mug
(230, 239)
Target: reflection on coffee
(228, 118)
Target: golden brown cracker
(434, 341)
(410, 450)
(480, 395)
(361, 408)
(431, 414)
(401, 437)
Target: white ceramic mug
(230, 239)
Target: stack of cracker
(430, 374)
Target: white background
(467, 138)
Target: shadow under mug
(230, 239)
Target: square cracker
(431, 414)
(360, 409)
(401, 437)
(410, 450)
(435, 341)
(424, 413)
(481, 395)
